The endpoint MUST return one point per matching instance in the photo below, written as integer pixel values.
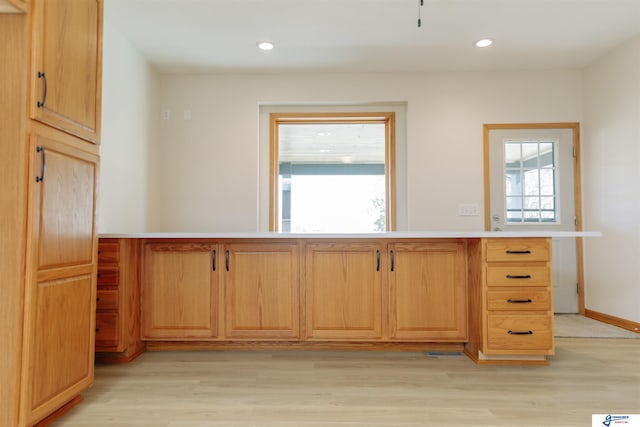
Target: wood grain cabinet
(343, 285)
(48, 169)
(261, 291)
(118, 300)
(180, 290)
(515, 320)
(427, 290)
(66, 69)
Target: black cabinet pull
(519, 301)
(526, 251)
(213, 260)
(98, 275)
(393, 261)
(516, 276)
(226, 260)
(97, 299)
(41, 75)
(378, 260)
(97, 329)
(520, 332)
(40, 149)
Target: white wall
(208, 174)
(129, 123)
(611, 182)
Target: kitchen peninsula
(488, 294)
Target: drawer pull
(98, 299)
(97, 329)
(518, 301)
(521, 252)
(378, 260)
(517, 276)
(510, 332)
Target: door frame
(575, 126)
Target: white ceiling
(208, 36)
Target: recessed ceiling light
(484, 43)
(265, 45)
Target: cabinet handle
(40, 149)
(393, 261)
(213, 260)
(517, 301)
(378, 260)
(526, 251)
(516, 276)
(41, 75)
(97, 299)
(97, 329)
(520, 332)
(226, 260)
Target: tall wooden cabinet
(49, 170)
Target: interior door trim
(575, 126)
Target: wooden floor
(329, 388)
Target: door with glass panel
(532, 187)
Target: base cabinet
(490, 297)
(512, 321)
(261, 291)
(180, 291)
(344, 291)
(428, 291)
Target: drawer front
(531, 332)
(108, 252)
(518, 300)
(518, 275)
(107, 300)
(518, 250)
(106, 329)
(108, 276)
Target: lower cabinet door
(60, 344)
(344, 291)
(428, 294)
(261, 291)
(179, 291)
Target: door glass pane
(530, 181)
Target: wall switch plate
(468, 209)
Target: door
(67, 65)
(532, 188)
(61, 288)
(261, 286)
(179, 290)
(427, 289)
(344, 291)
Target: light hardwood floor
(329, 388)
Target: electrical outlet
(468, 209)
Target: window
(530, 181)
(332, 172)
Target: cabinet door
(61, 287)
(179, 291)
(428, 299)
(261, 286)
(66, 74)
(343, 291)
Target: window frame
(386, 118)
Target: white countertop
(387, 235)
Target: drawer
(512, 333)
(519, 299)
(106, 329)
(518, 250)
(518, 275)
(108, 252)
(107, 300)
(108, 275)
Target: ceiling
(217, 36)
